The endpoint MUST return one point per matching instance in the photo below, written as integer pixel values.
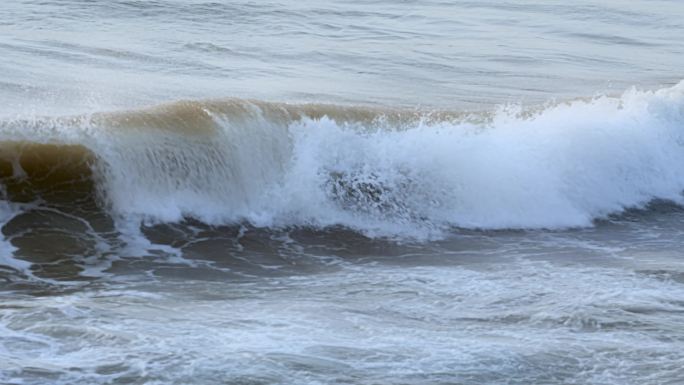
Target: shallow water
(341, 192)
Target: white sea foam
(7, 212)
(563, 166)
(532, 321)
(279, 165)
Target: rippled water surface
(93, 54)
(341, 192)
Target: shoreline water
(318, 192)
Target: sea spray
(384, 173)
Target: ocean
(341, 192)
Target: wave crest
(383, 172)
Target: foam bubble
(7, 212)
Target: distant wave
(380, 171)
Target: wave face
(381, 172)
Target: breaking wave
(381, 172)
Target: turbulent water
(324, 192)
